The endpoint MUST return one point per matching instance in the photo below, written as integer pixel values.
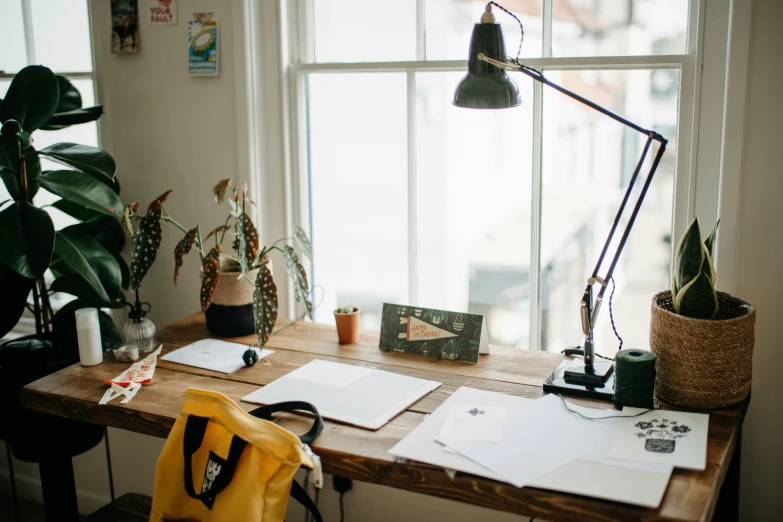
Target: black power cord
(342, 486)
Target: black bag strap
(265, 412)
(298, 493)
(195, 428)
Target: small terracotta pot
(347, 325)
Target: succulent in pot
(347, 320)
(238, 292)
(703, 338)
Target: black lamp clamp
(487, 86)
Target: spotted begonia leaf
(182, 248)
(303, 241)
(217, 230)
(248, 242)
(264, 304)
(298, 275)
(146, 243)
(210, 277)
(220, 189)
(158, 203)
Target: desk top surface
(363, 455)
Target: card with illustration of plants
(453, 336)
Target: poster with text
(162, 12)
(203, 45)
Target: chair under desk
(361, 454)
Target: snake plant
(693, 277)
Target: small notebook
(356, 395)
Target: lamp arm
(539, 77)
(590, 306)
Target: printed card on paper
(667, 437)
(480, 422)
(162, 12)
(454, 336)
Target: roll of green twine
(634, 379)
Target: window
(55, 34)
(502, 213)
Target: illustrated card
(203, 44)
(665, 437)
(454, 336)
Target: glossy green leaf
(146, 244)
(9, 146)
(83, 255)
(15, 289)
(75, 210)
(689, 255)
(265, 307)
(33, 170)
(70, 98)
(83, 190)
(697, 299)
(28, 239)
(299, 277)
(76, 285)
(32, 98)
(83, 157)
(9, 180)
(62, 120)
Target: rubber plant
(82, 259)
(693, 277)
(247, 253)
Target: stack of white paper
(213, 354)
(539, 443)
(357, 395)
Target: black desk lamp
(487, 86)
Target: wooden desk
(360, 454)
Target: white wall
(167, 130)
(759, 277)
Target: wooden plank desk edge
(74, 392)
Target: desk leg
(727, 507)
(56, 468)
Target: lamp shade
(486, 86)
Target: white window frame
(278, 56)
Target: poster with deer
(124, 26)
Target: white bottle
(88, 332)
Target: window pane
(587, 162)
(449, 25)
(14, 55)
(619, 28)
(62, 35)
(473, 212)
(359, 191)
(367, 31)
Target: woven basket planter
(703, 363)
(231, 311)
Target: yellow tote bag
(222, 464)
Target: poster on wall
(162, 12)
(203, 45)
(124, 26)
(453, 336)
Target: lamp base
(595, 383)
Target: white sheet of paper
(475, 422)
(213, 354)
(330, 374)
(364, 397)
(668, 437)
(583, 474)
